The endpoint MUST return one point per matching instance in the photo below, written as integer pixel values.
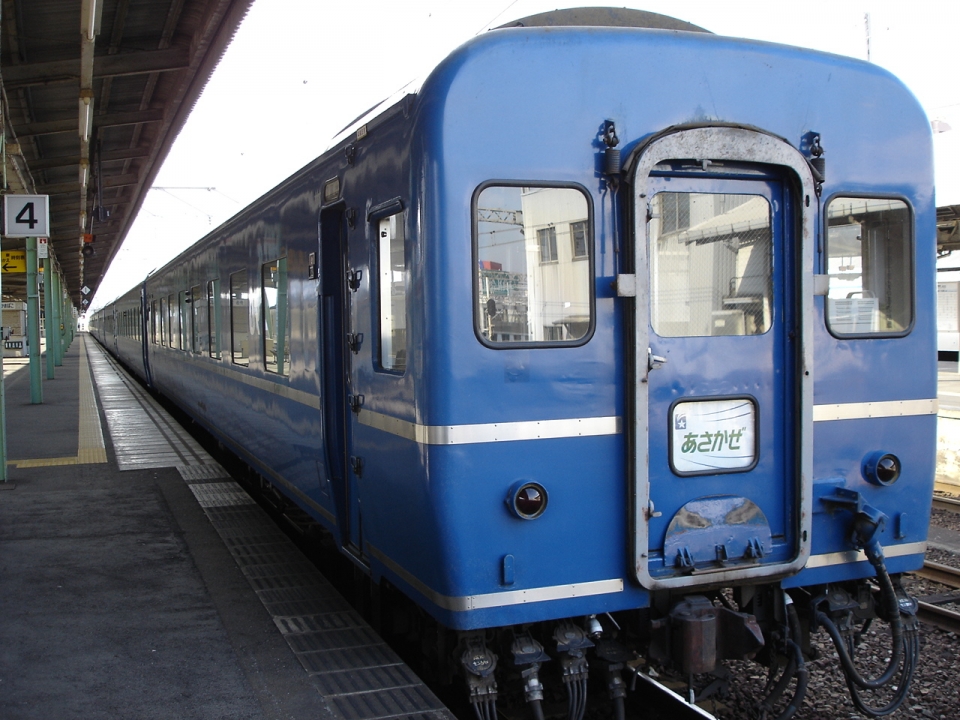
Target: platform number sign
(26, 216)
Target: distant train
(610, 345)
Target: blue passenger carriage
(595, 323)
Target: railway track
(946, 503)
(931, 610)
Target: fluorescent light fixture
(84, 172)
(940, 126)
(88, 18)
(86, 115)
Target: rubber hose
(781, 686)
(892, 606)
(803, 677)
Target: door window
(711, 264)
(391, 262)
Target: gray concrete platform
(156, 591)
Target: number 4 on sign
(26, 216)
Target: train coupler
(572, 646)
(528, 655)
(479, 664)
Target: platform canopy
(94, 92)
(948, 229)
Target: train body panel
(487, 363)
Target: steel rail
(946, 503)
(943, 574)
(939, 617)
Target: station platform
(138, 580)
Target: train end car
(594, 345)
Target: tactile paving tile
(195, 473)
(220, 494)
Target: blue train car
(596, 323)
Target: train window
(276, 323)
(184, 317)
(213, 318)
(173, 326)
(239, 318)
(153, 322)
(531, 286)
(711, 264)
(197, 309)
(391, 267)
(164, 321)
(870, 266)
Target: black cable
(911, 656)
(781, 686)
(892, 611)
(803, 678)
(583, 698)
(619, 709)
(537, 709)
(905, 642)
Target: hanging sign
(26, 216)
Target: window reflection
(869, 253)
(531, 285)
(711, 264)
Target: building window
(578, 234)
(870, 266)
(276, 320)
(529, 289)
(547, 238)
(392, 280)
(239, 318)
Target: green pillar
(3, 417)
(54, 333)
(33, 322)
(51, 336)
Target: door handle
(654, 361)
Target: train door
(336, 372)
(719, 358)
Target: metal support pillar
(51, 332)
(3, 415)
(57, 294)
(71, 326)
(33, 322)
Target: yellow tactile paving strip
(90, 447)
